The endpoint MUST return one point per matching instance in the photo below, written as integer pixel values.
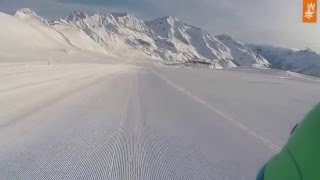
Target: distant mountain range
(172, 41)
(300, 61)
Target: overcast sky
(277, 22)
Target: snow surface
(72, 111)
(30, 35)
(144, 121)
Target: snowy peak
(76, 16)
(125, 20)
(164, 20)
(115, 24)
(242, 55)
(309, 51)
(25, 12)
(194, 44)
(164, 27)
(169, 20)
(29, 15)
(119, 19)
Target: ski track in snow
(131, 151)
(224, 115)
(116, 126)
(120, 130)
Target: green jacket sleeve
(300, 158)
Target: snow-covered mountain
(76, 16)
(301, 61)
(28, 15)
(25, 36)
(165, 38)
(243, 56)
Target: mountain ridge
(166, 38)
(301, 61)
(169, 40)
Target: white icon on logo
(310, 11)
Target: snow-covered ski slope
(70, 111)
